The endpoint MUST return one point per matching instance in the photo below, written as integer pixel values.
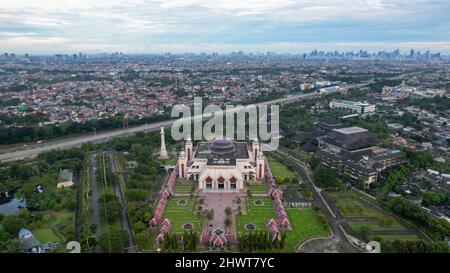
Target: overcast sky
(155, 26)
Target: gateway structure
(221, 165)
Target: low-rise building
(361, 108)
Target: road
(124, 219)
(15, 153)
(95, 197)
(335, 226)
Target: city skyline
(210, 26)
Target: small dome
(222, 146)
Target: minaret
(255, 149)
(260, 165)
(163, 153)
(182, 165)
(188, 149)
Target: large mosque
(221, 165)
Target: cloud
(149, 25)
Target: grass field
(258, 188)
(183, 187)
(305, 224)
(279, 169)
(349, 206)
(170, 162)
(45, 235)
(181, 214)
(358, 215)
(64, 217)
(258, 215)
(375, 225)
(390, 238)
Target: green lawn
(183, 187)
(45, 235)
(258, 188)
(258, 215)
(64, 217)
(181, 214)
(350, 207)
(375, 225)
(170, 162)
(280, 170)
(390, 238)
(305, 224)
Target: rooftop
(350, 130)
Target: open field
(305, 224)
(181, 214)
(45, 235)
(280, 170)
(390, 238)
(361, 215)
(256, 214)
(351, 207)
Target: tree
(326, 177)
(114, 241)
(314, 162)
(227, 222)
(143, 238)
(209, 215)
(136, 195)
(136, 148)
(110, 208)
(228, 211)
(364, 233)
(13, 224)
(12, 245)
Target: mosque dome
(222, 146)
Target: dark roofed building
(355, 150)
(352, 138)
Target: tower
(182, 165)
(125, 122)
(163, 153)
(260, 165)
(255, 149)
(188, 149)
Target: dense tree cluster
(438, 227)
(327, 178)
(31, 132)
(260, 241)
(110, 208)
(399, 246)
(190, 241)
(114, 241)
(170, 242)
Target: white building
(221, 165)
(361, 108)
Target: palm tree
(209, 215)
(228, 211)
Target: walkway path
(218, 202)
